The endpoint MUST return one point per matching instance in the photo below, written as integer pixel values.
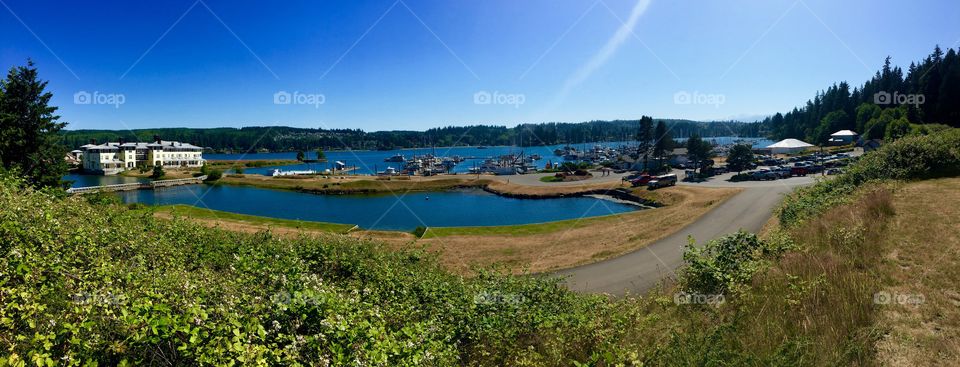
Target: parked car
(799, 170)
(834, 171)
(642, 180)
(761, 175)
(662, 181)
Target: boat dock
(136, 185)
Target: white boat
(278, 173)
(396, 158)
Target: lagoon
(454, 208)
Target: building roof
(844, 133)
(161, 144)
(790, 143)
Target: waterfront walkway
(137, 185)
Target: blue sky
(415, 64)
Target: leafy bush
(101, 198)
(726, 263)
(912, 157)
(157, 173)
(76, 289)
(214, 175)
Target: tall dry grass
(815, 306)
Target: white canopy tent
(787, 146)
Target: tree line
(279, 138)
(891, 104)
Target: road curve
(641, 270)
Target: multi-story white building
(116, 157)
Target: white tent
(842, 137)
(787, 146)
(844, 133)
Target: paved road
(643, 269)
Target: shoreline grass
(252, 220)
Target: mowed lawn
(920, 310)
(247, 223)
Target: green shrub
(912, 157)
(214, 175)
(157, 173)
(86, 284)
(725, 263)
(102, 198)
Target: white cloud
(604, 54)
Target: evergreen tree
(663, 141)
(645, 138)
(698, 150)
(157, 172)
(740, 157)
(300, 155)
(321, 156)
(29, 128)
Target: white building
(113, 158)
(788, 146)
(843, 137)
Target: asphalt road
(641, 270)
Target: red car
(642, 180)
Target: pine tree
(663, 141)
(645, 137)
(29, 128)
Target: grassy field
(224, 165)
(556, 245)
(517, 230)
(248, 223)
(920, 301)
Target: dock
(137, 185)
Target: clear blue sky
(415, 64)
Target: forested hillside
(279, 138)
(891, 104)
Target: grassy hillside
(83, 283)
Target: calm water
(383, 212)
(366, 162)
(96, 180)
